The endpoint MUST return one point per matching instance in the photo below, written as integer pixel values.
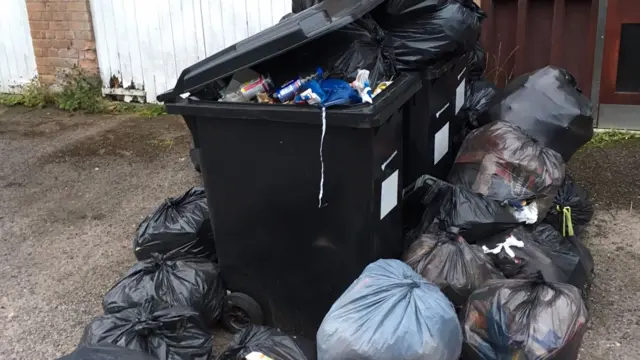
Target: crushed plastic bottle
(248, 90)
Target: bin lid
(316, 21)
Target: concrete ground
(73, 189)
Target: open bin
(285, 254)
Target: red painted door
(621, 61)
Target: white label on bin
(460, 95)
(389, 194)
(441, 143)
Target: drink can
(252, 88)
(288, 91)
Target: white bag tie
(506, 246)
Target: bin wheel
(194, 155)
(240, 311)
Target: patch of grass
(33, 95)
(609, 137)
(80, 91)
(151, 110)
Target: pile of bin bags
(355, 63)
(391, 312)
(165, 305)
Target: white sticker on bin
(442, 110)
(460, 95)
(441, 143)
(389, 194)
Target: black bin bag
(477, 62)
(106, 352)
(190, 282)
(473, 215)
(179, 226)
(541, 249)
(428, 32)
(480, 94)
(447, 260)
(572, 209)
(548, 106)
(166, 333)
(501, 162)
(390, 312)
(528, 319)
(269, 342)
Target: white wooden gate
(17, 60)
(145, 44)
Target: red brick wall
(62, 36)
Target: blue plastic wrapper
(390, 312)
(328, 92)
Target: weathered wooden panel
(17, 60)
(145, 44)
(524, 35)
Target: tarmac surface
(74, 187)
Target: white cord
(324, 130)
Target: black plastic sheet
(447, 260)
(524, 319)
(302, 5)
(390, 312)
(180, 226)
(542, 249)
(474, 215)
(167, 333)
(500, 161)
(270, 342)
(548, 106)
(424, 34)
(106, 352)
(190, 282)
(572, 209)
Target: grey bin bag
(390, 312)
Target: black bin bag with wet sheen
(106, 352)
(429, 32)
(390, 312)
(179, 226)
(572, 209)
(549, 107)
(167, 333)
(475, 216)
(528, 319)
(190, 282)
(270, 342)
(503, 163)
(447, 260)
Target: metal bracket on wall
(598, 58)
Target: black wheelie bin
(298, 212)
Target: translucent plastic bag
(446, 259)
(572, 209)
(390, 312)
(179, 226)
(167, 333)
(524, 319)
(269, 342)
(190, 282)
(500, 161)
(548, 106)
